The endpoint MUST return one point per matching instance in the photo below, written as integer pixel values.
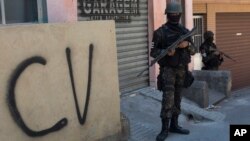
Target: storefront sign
(118, 10)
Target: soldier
(211, 57)
(173, 68)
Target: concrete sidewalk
(142, 108)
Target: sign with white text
(118, 10)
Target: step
(215, 97)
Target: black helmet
(173, 7)
(208, 34)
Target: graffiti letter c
(12, 102)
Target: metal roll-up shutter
(232, 37)
(132, 46)
(132, 49)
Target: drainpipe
(3, 12)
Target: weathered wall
(62, 10)
(156, 10)
(199, 8)
(36, 84)
(223, 1)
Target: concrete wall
(220, 81)
(156, 11)
(62, 10)
(207, 82)
(36, 88)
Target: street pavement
(142, 108)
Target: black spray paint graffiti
(63, 122)
(12, 101)
(80, 118)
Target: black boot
(164, 130)
(175, 128)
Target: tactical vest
(169, 34)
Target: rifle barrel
(229, 57)
(223, 53)
(173, 46)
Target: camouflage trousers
(170, 82)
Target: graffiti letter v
(81, 119)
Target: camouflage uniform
(172, 73)
(172, 68)
(171, 80)
(210, 60)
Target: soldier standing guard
(173, 68)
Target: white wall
(43, 92)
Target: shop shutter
(132, 50)
(233, 37)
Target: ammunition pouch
(159, 82)
(189, 79)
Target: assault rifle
(171, 47)
(223, 53)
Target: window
(23, 11)
(199, 23)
